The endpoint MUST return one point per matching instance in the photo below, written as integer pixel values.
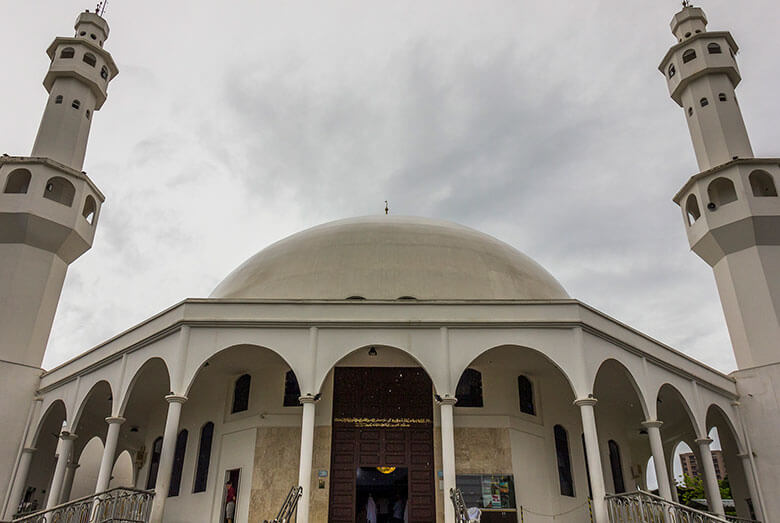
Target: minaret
(49, 209)
(731, 212)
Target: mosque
(382, 357)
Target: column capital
(310, 398)
(703, 441)
(736, 404)
(118, 420)
(29, 450)
(175, 398)
(446, 399)
(652, 424)
(585, 402)
(744, 456)
(72, 465)
(68, 436)
(38, 398)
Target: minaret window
(83, 33)
(690, 111)
(469, 389)
(59, 190)
(704, 102)
(722, 97)
(714, 48)
(76, 104)
(672, 71)
(104, 73)
(721, 191)
(58, 100)
(692, 211)
(68, 52)
(762, 184)
(18, 182)
(90, 207)
(87, 114)
(90, 59)
(689, 55)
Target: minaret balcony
(81, 59)
(47, 205)
(732, 207)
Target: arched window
(714, 48)
(76, 104)
(90, 59)
(722, 97)
(59, 190)
(617, 467)
(704, 102)
(241, 394)
(204, 458)
(58, 99)
(690, 111)
(762, 184)
(564, 461)
(104, 73)
(672, 71)
(526, 392)
(154, 463)
(89, 209)
(689, 55)
(88, 113)
(18, 182)
(469, 389)
(68, 52)
(178, 463)
(692, 211)
(721, 191)
(291, 390)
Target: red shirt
(231, 494)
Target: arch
(292, 391)
(714, 48)
(18, 182)
(152, 370)
(623, 388)
(722, 191)
(616, 466)
(692, 212)
(717, 418)
(732, 449)
(96, 405)
(241, 389)
(469, 389)
(60, 190)
(86, 475)
(90, 59)
(123, 472)
(672, 70)
(688, 56)
(67, 52)
(204, 457)
(762, 184)
(55, 411)
(563, 458)
(154, 463)
(178, 463)
(678, 418)
(90, 208)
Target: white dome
(387, 258)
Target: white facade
(384, 293)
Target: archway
(527, 430)
(85, 477)
(122, 473)
(45, 442)
(679, 425)
(619, 415)
(729, 455)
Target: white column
(66, 447)
(17, 491)
(711, 480)
(307, 455)
(109, 453)
(659, 460)
(170, 434)
(446, 406)
(594, 458)
(67, 484)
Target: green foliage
(692, 488)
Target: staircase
(287, 512)
(643, 506)
(119, 505)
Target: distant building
(691, 468)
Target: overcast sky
(545, 124)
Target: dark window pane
(154, 463)
(178, 463)
(617, 467)
(241, 393)
(587, 466)
(204, 457)
(469, 389)
(526, 391)
(564, 461)
(291, 390)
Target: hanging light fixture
(386, 470)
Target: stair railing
(643, 506)
(287, 511)
(461, 512)
(120, 505)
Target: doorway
(230, 496)
(383, 489)
(382, 420)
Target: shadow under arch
(236, 366)
(373, 355)
(96, 405)
(88, 458)
(679, 421)
(53, 418)
(45, 441)
(154, 370)
(612, 366)
(732, 450)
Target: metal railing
(119, 505)
(643, 506)
(461, 513)
(287, 512)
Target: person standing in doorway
(371, 510)
(230, 502)
(398, 510)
